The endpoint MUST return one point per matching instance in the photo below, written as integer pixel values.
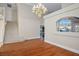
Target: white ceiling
(50, 6)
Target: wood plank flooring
(35, 47)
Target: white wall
(69, 40)
(29, 23)
(9, 12)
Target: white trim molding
(67, 48)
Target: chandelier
(39, 9)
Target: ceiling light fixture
(39, 9)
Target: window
(68, 24)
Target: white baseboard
(67, 48)
(33, 38)
(20, 40)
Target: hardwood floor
(34, 47)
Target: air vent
(9, 5)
